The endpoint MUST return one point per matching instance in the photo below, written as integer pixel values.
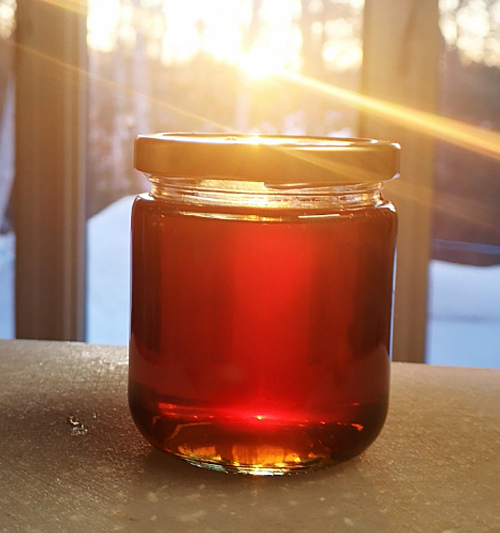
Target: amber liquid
(260, 345)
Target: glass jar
(262, 284)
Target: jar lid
(270, 159)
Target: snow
(463, 325)
(7, 251)
(108, 274)
(464, 300)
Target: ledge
(73, 461)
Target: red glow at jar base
(254, 444)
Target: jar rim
(272, 159)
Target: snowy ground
(464, 304)
(463, 325)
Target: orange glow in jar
(262, 290)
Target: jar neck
(232, 193)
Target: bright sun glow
(259, 63)
(102, 24)
(224, 29)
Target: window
(464, 276)
(319, 67)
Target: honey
(261, 320)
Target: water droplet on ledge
(77, 427)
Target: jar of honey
(262, 291)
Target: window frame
(49, 184)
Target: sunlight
(217, 28)
(126, 88)
(260, 63)
(102, 24)
(77, 6)
(220, 28)
(271, 54)
(220, 25)
(7, 18)
(476, 139)
(278, 45)
(195, 25)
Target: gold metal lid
(267, 158)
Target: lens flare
(453, 131)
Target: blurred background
(226, 65)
